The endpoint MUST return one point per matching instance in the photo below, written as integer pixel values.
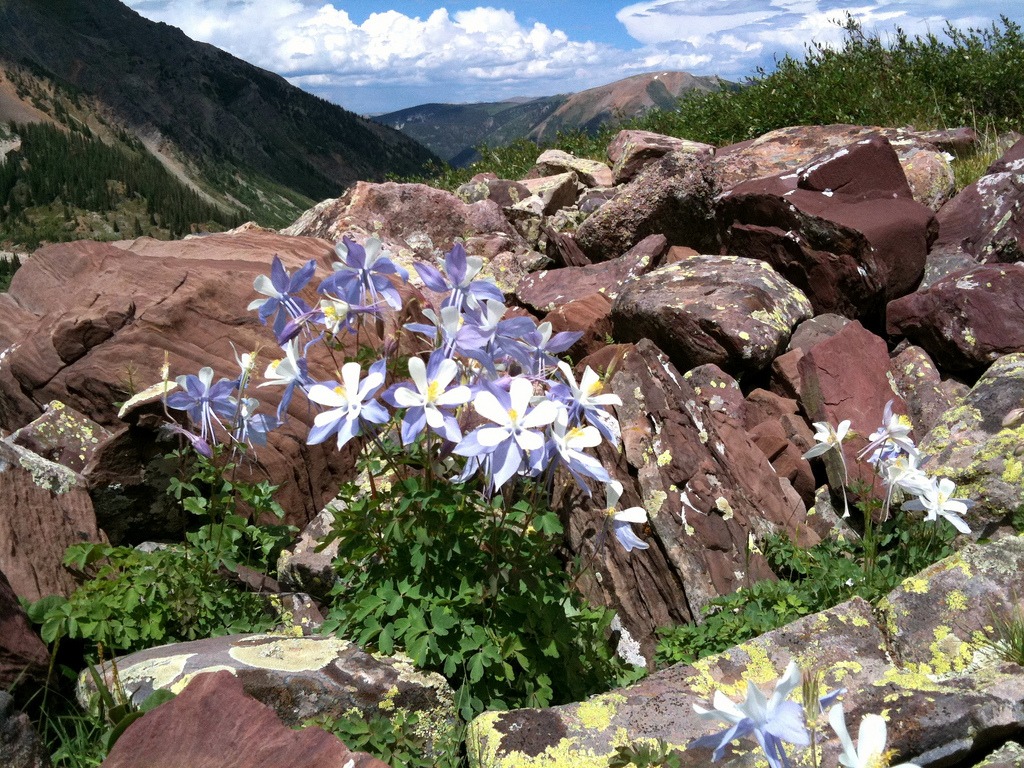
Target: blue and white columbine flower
(892, 438)
(772, 721)
(205, 403)
(621, 521)
(363, 276)
(936, 499)
(587, 400)
(349, 404)
(516, 431)
(282, 291)
(431, 398)
(459, 281)
(567, 445)
(289, 372)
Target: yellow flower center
(340, 389)
(433, 390)
(513, 415)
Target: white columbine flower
(937, 501)
(828, 437)
(870, 750)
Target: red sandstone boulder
(591, 173)
(985, 220)
(785, 150)
(23, 657)
(847, 377)
(844, 229)
(44, 509)
(706, 488)
(213, 724)
(736, 313)
(82, 317)
(673, 197)
(631, 151)
(544, 291)
(590, 316)
(966, 320)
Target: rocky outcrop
(20, 746)
(299, 678)
(212, 723)
(44, 509)
(925, 665)
(844, 229)
(979, 444)
(706, 488)
(984, 221)
(786, 150)
(967, 320)
(734, 312)
(631, 151)
(23, 657)
(90, 323)
(673, 197)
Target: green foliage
(811, 580)
(470, 589)
(645, 755)
(79, 173)
(7, 269)
(397, 737)
(134, 599)
(1006, 637)
(968, 77)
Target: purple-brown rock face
(213, 724)
(44, 509)
(985, 220)
(966, 320)
(785, 150)
(673, 197)
(736, 313)
(706, 488)
(844, 229)
(23, 657)
(87, 323)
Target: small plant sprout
(936, 500)
(621, 521)
(869, 751)
(772, 721)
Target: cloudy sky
(375, 56)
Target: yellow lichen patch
(915, 585)
(1014, 471)
(956, 601)
(840, 670)
(290, 654)
(596, 714)
(913, 677)
(949, 652)
(182, 684)
(759, 670)
(160, 672)
(664, 458)
(654, 504)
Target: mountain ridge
(218, 114)
(453, 131)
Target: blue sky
(373, 56)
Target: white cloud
(738, 35)
(390, 60)
(462, 54)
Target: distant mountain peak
(453, 130)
